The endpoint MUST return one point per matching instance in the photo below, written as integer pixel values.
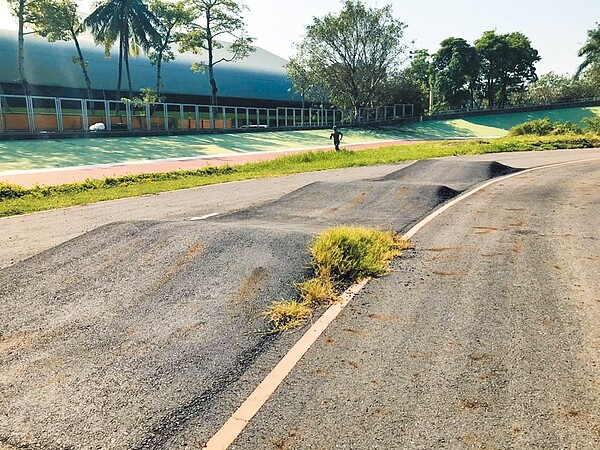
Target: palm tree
(590, 50)
(129, 21)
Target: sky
(556, 28)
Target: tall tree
(403, 88)
(592, 78)
(57, 20)
(507, 62)
(219, 19)
(456, 70)
(172, 18)
(590, 50)
(353, 53)
(420, 72)
(552, 87)
(305, 82)
(131, 23)
(19, 10)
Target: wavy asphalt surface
(145, 333)
(485, 336)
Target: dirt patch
(251, 285)
(472, 404)
(177, 266)
(355, 365)
(384, 317)
(358, 200)
(449, 274)
(18, 339)
(486, 230)
(479, 357)
(356, 332)
(188, 330)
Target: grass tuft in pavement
(317, 292)
(341, 256)
(347, 254)
(287, 314)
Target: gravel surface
(485, 336)
(147, 334)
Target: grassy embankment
(15, 200)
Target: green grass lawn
(57, 153)
(15, 200)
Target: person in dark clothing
(337, 137)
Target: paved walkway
(56, 176)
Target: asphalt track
(147, 333)
(485, 336)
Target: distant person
(337, 137)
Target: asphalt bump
(396, 201)
(458, 175)
(379, 204)
(139, 310)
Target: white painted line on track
(242, 416)
(205, 216)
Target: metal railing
(36, 114)
(549, 104)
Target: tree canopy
(57, 20)
(552, 88)
(507, 64)
(456, 71)
(351, 55)
(131, 23)
(590, 50)
(218, 19)
(171, 20)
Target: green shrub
(545, 127)
(539, 127)
(592, 124)
(11, 191)
(566, 128)
(12, 211)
